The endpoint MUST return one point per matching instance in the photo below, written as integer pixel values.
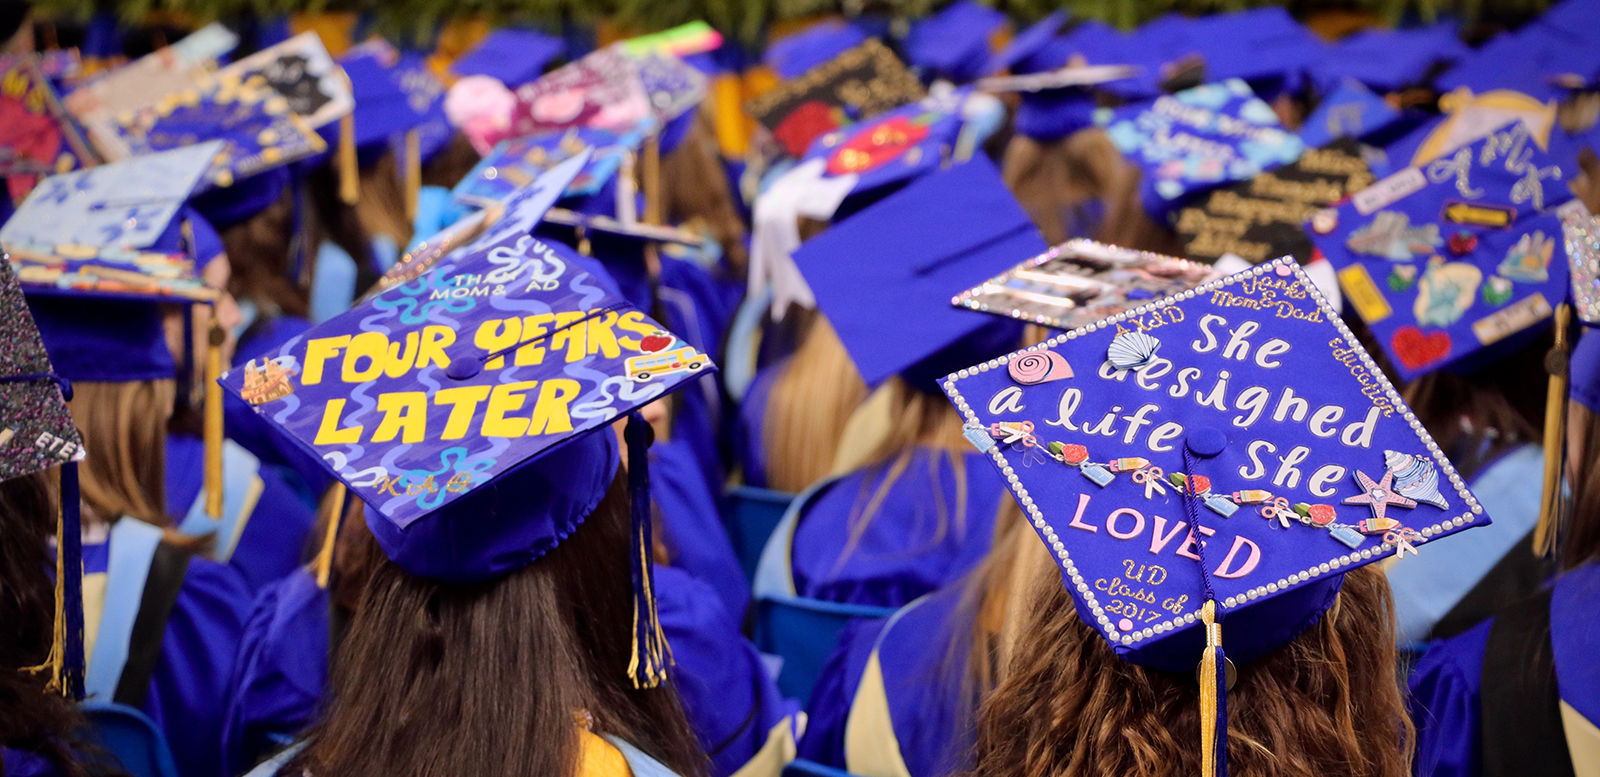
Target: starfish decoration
(1379, 495)
(1391, 236)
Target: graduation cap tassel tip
(213, 421)
(349, 171)
(325, 553)
(1555, 425)
(648, 666)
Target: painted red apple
(876, 146)
(655, 343)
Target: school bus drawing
(644, 367)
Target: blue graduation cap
(386, 104)
(1351, 110)
(1056, 113)
(802, 51)
(470, 409)
(903, 258)
(1197, 139)
(1389, 60)
(1027, 43)
(514, 57)
(953, 44)
(1454, 256)
(36, 433)
(1265, 47)
(1206, 468)
(516, 163)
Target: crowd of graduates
(534, 404)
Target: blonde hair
(1049, 178)
(124, 471)
(811, 402)
(382, 206)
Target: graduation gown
(182, 654)
(749, 441)
(888, 702)
(281, 673)
(266, 519)
(907, 550)
(1518, 694)
(697, 542)
(20, 763)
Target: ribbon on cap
(651, 655)
(1213, 662)
(65, 662)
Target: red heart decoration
(876, 146)
(1416, 350)
(1322, 515)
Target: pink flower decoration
(480, 106)
(559, 107)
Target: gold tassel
(213, 420)
(1208, 690)
(325, 554)
(1555, 429)
(650, 172)
(413, 173)
(349, 169)
(55, 663)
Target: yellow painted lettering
(533, 332)
(634, 321)
(498, 334)
(550, 414)
(464, 404)
(329, 433)
(319, 351)
(372, 346)
(506, 398)
(570, 335)
(435, 339)
(404, 413)
(400, 363)
(602, 339)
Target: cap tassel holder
(329, 537)
(413, 173)
(213, 420)
(1555, 427)
(651, 656)
(349, 171)
(1213, 671)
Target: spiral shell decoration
(1415, 478)
(1036, 367)
(1132, 350)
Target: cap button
(1206, 441)
(464, 368)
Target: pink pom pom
(480, 107)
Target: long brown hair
(810, 404)
(1050, 178)
(1580, 537)
(382, 206)
(1328, 704)
(695, 189)
(489, 678)
(124, 429)
(261, 251)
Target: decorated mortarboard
(37, 136)
(1468, 117)
(1198, 139)
(622, 248)
(303, 73)
(144, 82)
(902, 258)
(1080, 282)
(696, 37)
(515, 163)
(672, 86)
(793, 55)
(1350, 110)
(1223, 456)
(470, 409)
(514, 57)
(907, 142)
(1266, 217)
(1456, 255)
(600, 91)
(954, 44)
(37, 432)
(112, 229)
(859, 83)
(393, 97)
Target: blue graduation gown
(906, 551)
(733, 704)
(749, 441)
(1447, 684)
(189, 685)
(694, 311)
(901, 665)
(19, 763)
(277, 517)
(280, 671)
(697, 542)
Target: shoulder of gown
(695, 537)
(281, 671)
(1446, 687)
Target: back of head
(696, 190)
(494, 678)
(124, 426)
(1327, 703)
(811, 403)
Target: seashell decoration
(1415, 478)
(1036, 367)
(1132, 350)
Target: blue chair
(132, 737)
(804, 768)
(750, 514)
(804, 632)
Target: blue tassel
(1222, 712)
(71, 540)
(648, 666)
